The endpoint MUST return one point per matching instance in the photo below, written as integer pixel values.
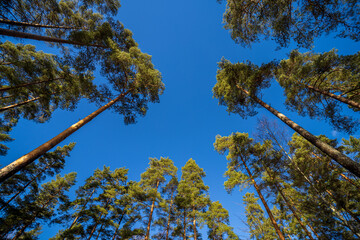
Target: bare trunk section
(19, 104)
(184, 223)
(27, 84)
(92, 231)
(26, 24)
(12, 33)
(336, 97)
(150, 215)
(25, 160)
(276, 226)
(168, 222)
(340, 158)
(194, 224)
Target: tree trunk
(92, 231)
(27, 84)
(101, 227)
(184, 222)
(336, 97)
(25, 24)
(194, 225)
(168, 222)
(18, 104)
(115, 233)
(12, 33)
(289, 205)
(150, 215)
(24, 187)
(25, 160)
(340, 158)
(83, 208)
(22, 230)
(276, 226)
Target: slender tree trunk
(18, 104)
(276, 226)
(12, 33)
(184, 223)
(194, 224)
(83, 208)
(101, 227)
(26, 24)
(150, 215)
(24, 187)
(340, 158)
(169, 218)
(289, 205)
(9, 96)
(27, 84)
(115, 233)
(22, 230)
(92, 231)
(25, 160)
(336, 97)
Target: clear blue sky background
(186, 40)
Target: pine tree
(192, 198)
(217, 220)
(238, 87)
(243, 153)
(38, 206)
(151, 181)
(300, 21)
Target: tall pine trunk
(340, 158)
(150, 215)
(19, 104)
(336, 97)
(25, 160)
(194, 224)
(276, 226)
(169, 217)
(12, 33)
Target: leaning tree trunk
(276, 226)
(336, 97)
(25, 160)
(12, 33)
(339, 157)
(289, 205)
(19, 104)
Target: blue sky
(186, 40)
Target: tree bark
(276, 226)
(336, 97)
(92, 231)
(27, 84)
(340, 158)
(26, 24)
(19, 104)
(168, 222)
(184, 222)
(150, 215)
(25, 160)
(12, 33)
(194, 225)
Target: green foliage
(301, 21)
